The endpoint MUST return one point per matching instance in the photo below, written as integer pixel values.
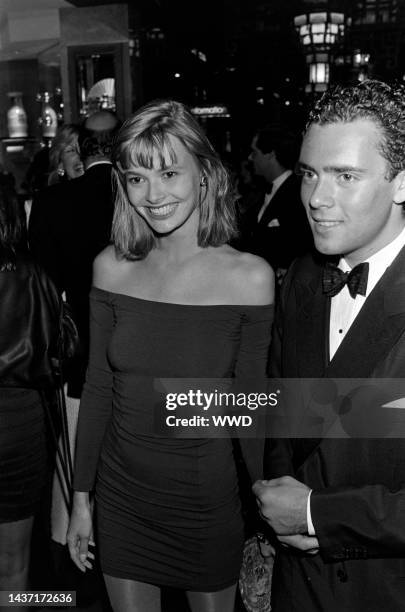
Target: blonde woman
(64, 155)
(170, 299)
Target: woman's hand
(80, 532)
(267, 550)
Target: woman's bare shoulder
(252, 278)
(107, 268)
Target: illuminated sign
(210, 111)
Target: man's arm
(283, 505)
(350, 522)
(359, 522)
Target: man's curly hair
(382, 103)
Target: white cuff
(311, 530)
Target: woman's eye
(134, 180)
(169, 174)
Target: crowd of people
(175, 276)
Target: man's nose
(321, 195)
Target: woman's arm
(257, 289)
(94, 415)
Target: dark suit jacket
(358, 499)
(70, 223)
(278, 244)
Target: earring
(61, 172)
(203, 181)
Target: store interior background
(239, 63)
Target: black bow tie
(334, 279)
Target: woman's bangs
(145, 149)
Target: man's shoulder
(96, 180)
(53, 193)
(305, 269)
(97, 172)
(289, 193)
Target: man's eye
(307, 175)
(346, 177)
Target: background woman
(29, 327)
(59, 163)
(64, 155)
(170, 300)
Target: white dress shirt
(269, 196)
(344, 309)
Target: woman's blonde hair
(65, 136)
(141, 138)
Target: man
(70, 224)
(337, 506)
(276, 226)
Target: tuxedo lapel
(376, 328)
(272, 209)
(312, 348)
(312, 328)
(268, 214)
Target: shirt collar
(97, 163)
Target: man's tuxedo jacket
(358, 498)
(283, 232)
(70, 224)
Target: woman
(28, 339)
(170, 299)
(64, 155)
(60, 163)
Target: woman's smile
(161, 212)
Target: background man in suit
(275, 226)
(338, 505)
(70, 224)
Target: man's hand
(302, 542)
(283, 504)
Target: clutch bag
(255, 578)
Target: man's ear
(270, 155)
(399, 194)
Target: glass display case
(97, 77)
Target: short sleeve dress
(168, 509)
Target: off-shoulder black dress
(168, 509)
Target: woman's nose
(155, 192)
